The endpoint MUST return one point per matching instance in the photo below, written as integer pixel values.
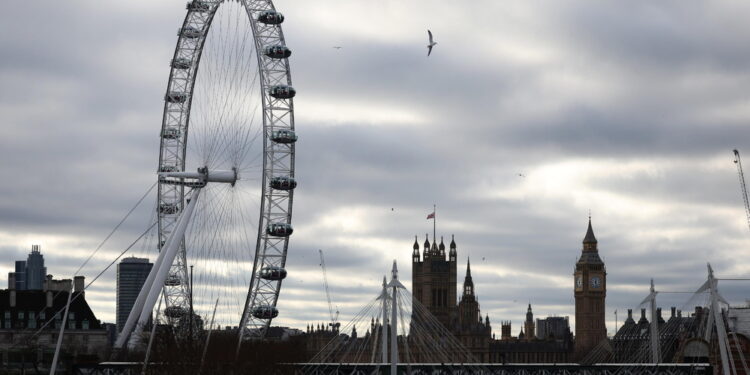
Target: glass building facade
(131, 274)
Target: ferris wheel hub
(204, 176)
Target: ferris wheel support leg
(173, 246)
(135, 312)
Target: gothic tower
(470, 330)
(590, 290)
(468, 307)
(434, 279)
(529, 326)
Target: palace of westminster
(549, 340)
(434, 283)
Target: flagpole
(615, 322)
(434, 220)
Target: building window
(72, 324)
(32, 322)
(85, 324)
(20, 315)
(42, 315)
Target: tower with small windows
(590, 291)
(529, 327)
(434, 278)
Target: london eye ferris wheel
(228, 136)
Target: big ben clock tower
(590, 289)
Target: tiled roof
(35, 301)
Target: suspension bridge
(406, 338)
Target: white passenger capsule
(182, 63)
(176, 97)
(279, 229)
(283, 183)
(170, 133)
(172, 280)
(190, 32)
(265, 312)
(272, 273)
(284, 136)
(282, 92)
(169, 208)
(198, 6)
(271, 17)
(277, 52)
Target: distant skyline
(526, 117)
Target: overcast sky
(527, 116)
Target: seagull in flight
(337, 47)
(432, 43)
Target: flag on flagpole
(431, 216)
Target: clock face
(579, 282)
(596, 282)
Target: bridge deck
(505, 369)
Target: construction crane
(742, 185)
(334, 324)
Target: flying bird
(432, 43)
(337, 47)
(521, 175)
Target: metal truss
(276, 205)
(278, 158)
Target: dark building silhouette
(590, 291)
(528, 326)
(131, 274)
(434, 279)
(30, 321)
(18, 277)
(434, 276)
(469, 328)
(435, 287)
(553, 327)
(29, 274)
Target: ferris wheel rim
(275, 205)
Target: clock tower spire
(590, 291)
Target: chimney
(78, 284)
(630, 313)
(47, 284)
(11, 280)
(658, 315)
(679, 313)
(49, 299)
(12, 296)
(674, 309)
